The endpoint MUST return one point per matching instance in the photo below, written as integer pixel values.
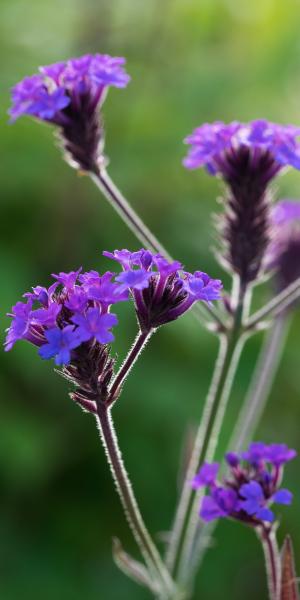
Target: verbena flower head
(161, 290)
(283, 253)
(247, 156)
(251, 487)
(71, 322)
(72, 311)
(69, 94)
(217, 146)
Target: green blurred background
(190, 61)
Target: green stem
(146, 545)
(186, 519)
(252, 409)
(116, 199)
(261, 383)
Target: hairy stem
(116, 199)
(186, 519)
(129, 503)
(133, 354)
(251, 411)
(126, 212)
(272, 561)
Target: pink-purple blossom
(251, 487)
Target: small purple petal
(94, 324)
(60, 343)
(206, 475)
(210, 510)
(137, 280)
(283, 497)
(265, 514)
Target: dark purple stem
(137, 347)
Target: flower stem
(260, 386)
(114, 196)
(132, 512)
(272, 560)
(126, 212)
(186, 519)
(251, 411)
(277, 305)
(133, 354)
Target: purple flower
(95, 325)
(69, 94)
(247, 157)
(278, 454)
(162, 292)
(215, 145)
(60, 343)
(254, 501)
(74, 311)
(137, 280)
(256, 453)
(283, 253)
(206, 475)
(222, 503)
(283, 497)
(68, 280)
(232, 459)
(251, 487)
(286, 211)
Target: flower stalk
(186, 519)
(277, 305)
(129, 503)
(268, 540)
(116, 199)
(138, 345)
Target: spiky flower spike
(69, 94)
(247, 157)
(70, 322)
(246, 494)
(283, 253)
(161, 293)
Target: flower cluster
(76, 308)
(251, 487)
(248, 157)
(283, 253)
(72, 311)
(216, 146)
(162, 292)
(68, 94)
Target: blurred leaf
(132, 568)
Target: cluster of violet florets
(252, 485)
(76, 308)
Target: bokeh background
(190, 61)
